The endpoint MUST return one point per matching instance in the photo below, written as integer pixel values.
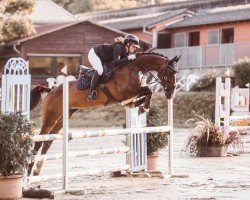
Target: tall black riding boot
(92, 92)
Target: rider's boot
(92, 92)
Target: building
(57, 45)
(60, 40)
(148, 21)
(217, 37)
(48, 12)
(145, 26)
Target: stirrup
(92, 96)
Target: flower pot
(213, 151)
(11, 187)
(152, 162)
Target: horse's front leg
(148, 95)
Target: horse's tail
(36, 95)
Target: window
(52, 66)
(213, 37)
(227, 35)
(164, 40)
(71, 63)
(194, 38)
(40, 66)
(180, 40)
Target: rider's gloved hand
(131, 57)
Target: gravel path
(209, 178)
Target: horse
(123, 85)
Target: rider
(116, 53)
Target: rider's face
(131, 48)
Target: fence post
(170, 140)
(65, 131)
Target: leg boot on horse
(94, 82)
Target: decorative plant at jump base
(207, 139)
(15, 150)
(155, 141)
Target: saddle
(86, 74)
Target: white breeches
(95, 61)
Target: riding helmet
(133, 39)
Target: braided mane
(151, 53)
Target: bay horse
(123, 85)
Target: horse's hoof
(35, 173)
(141, 110)
(70, 137)
(28, 172)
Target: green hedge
(202, 103)
(242, 73)
(111, 116)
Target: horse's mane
(151, 53)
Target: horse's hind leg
(47, 144)
(148, 95)
(48, 124)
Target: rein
(163, 84)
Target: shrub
(15, 143)
(242, 72)
(156, 141)
(206, 83)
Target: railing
(208, 56)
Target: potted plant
(15, 153)
(155, 141)
(208, 140)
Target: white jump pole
(65, 131)
(171, 140)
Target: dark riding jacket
(114, 53)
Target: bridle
(165, 81)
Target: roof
(141, 21)
(215, 16)
(48, 12)
(171, 5)
(46, 29)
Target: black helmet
(133, 39)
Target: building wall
(76, 39)
(53, 49)
(240, 33)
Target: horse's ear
(177, 58)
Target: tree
(14, 22)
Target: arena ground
(209, 178)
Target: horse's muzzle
(169, 94)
